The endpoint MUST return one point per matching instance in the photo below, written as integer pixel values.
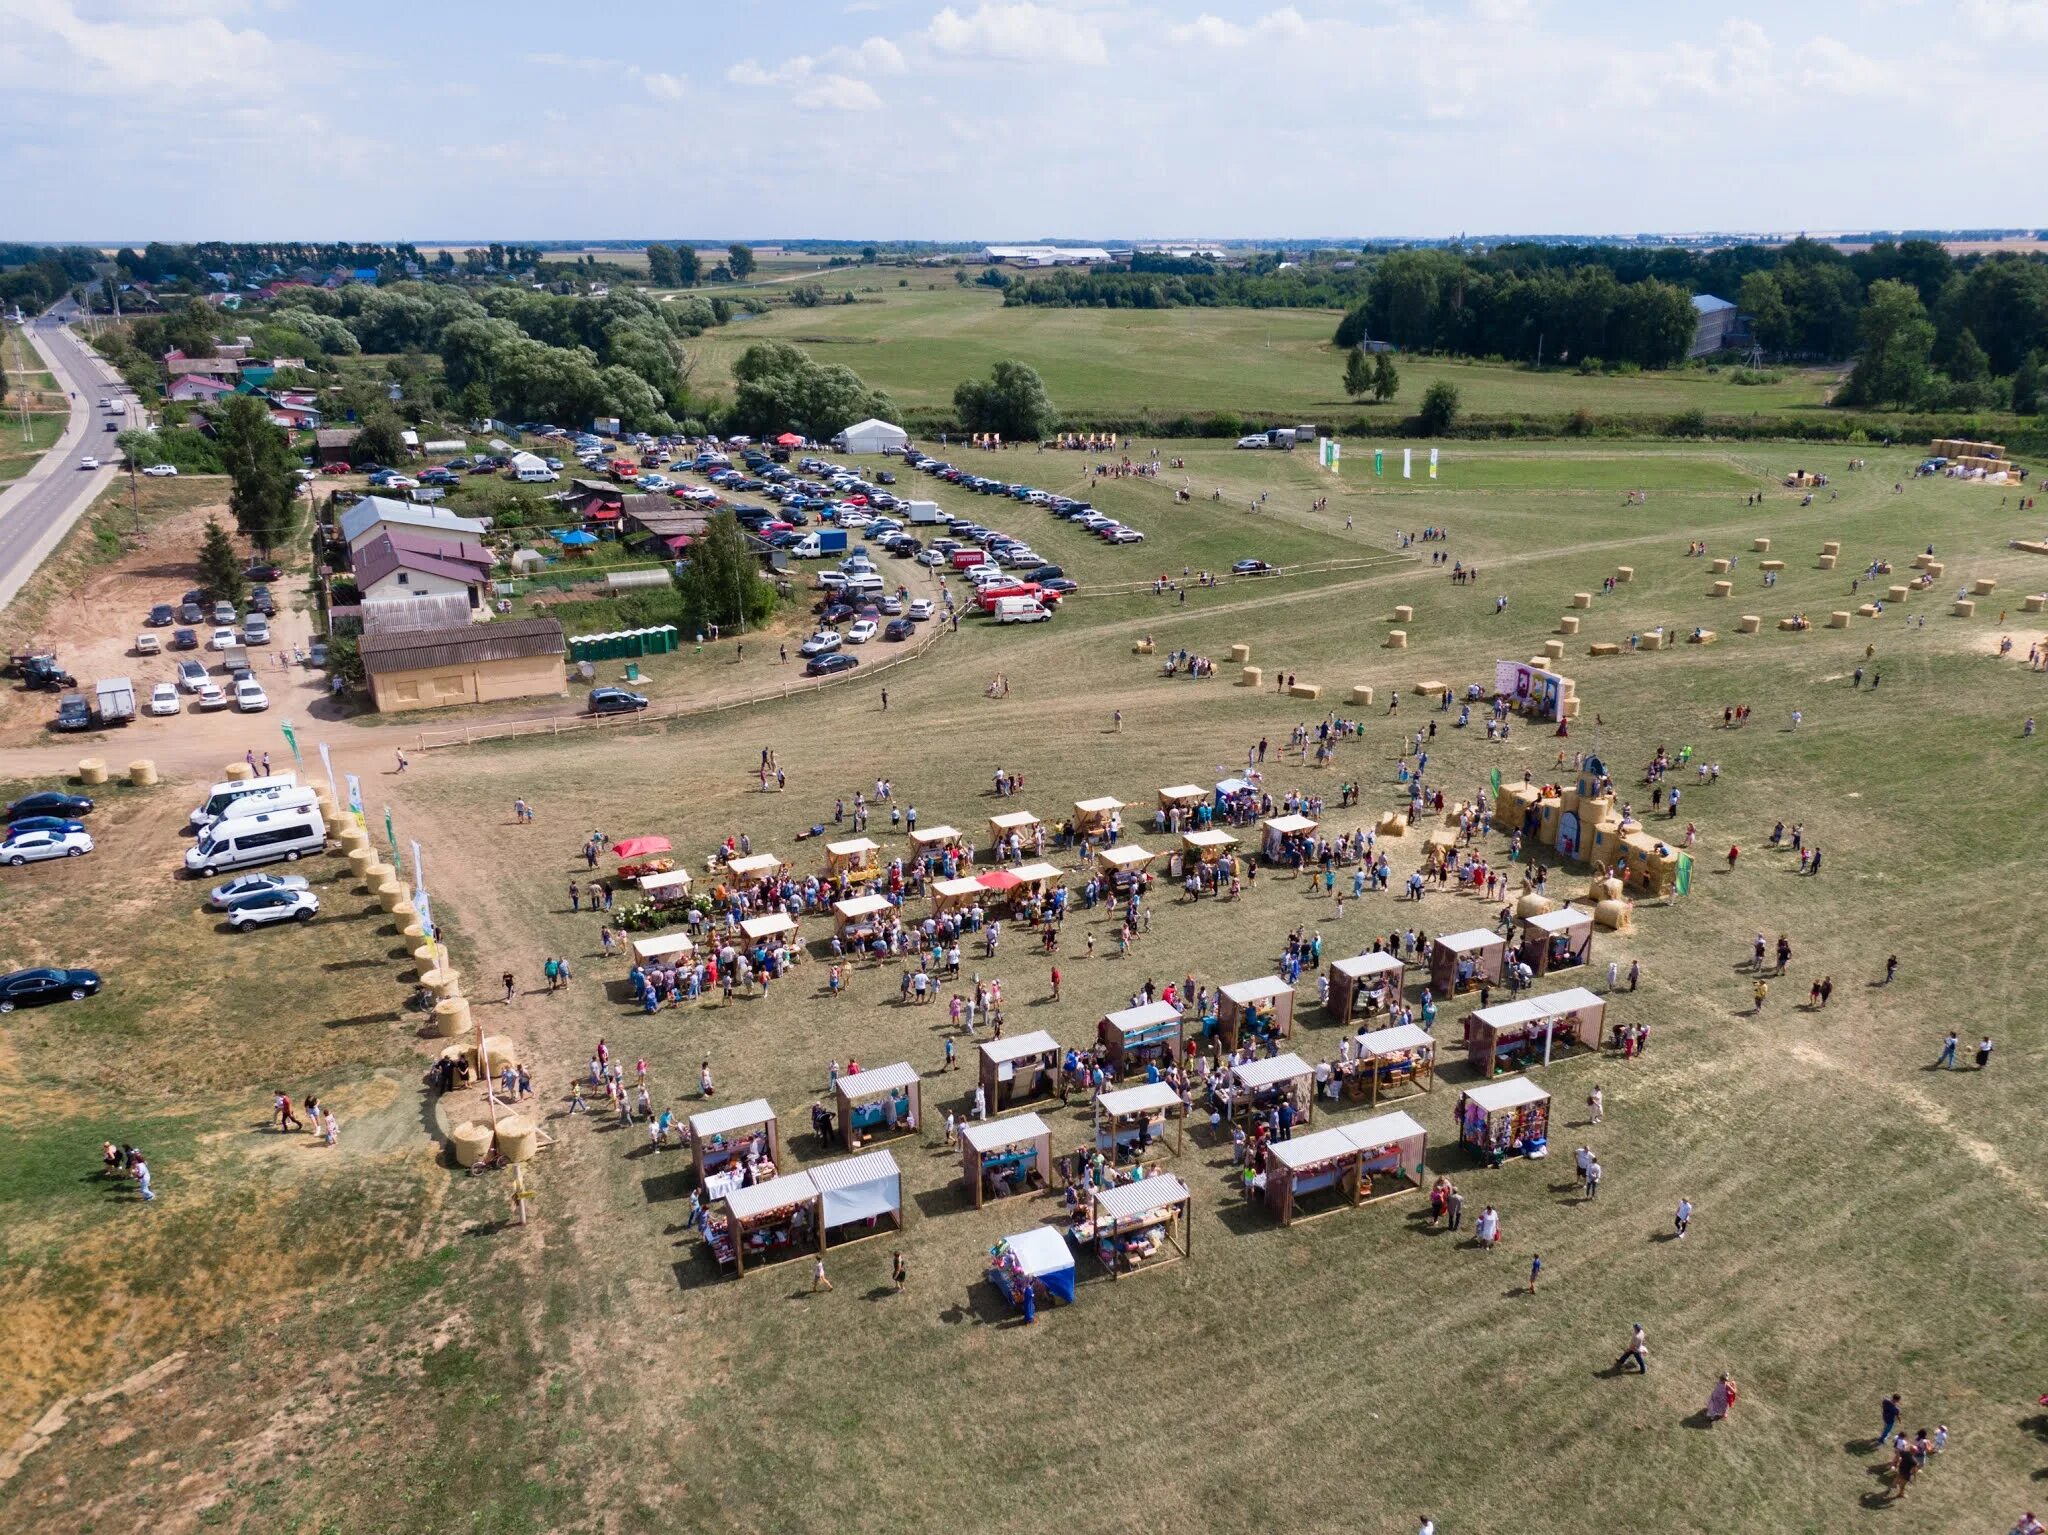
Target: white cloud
(1829, 64)
(1019, 31)
(43, 42)
(839, 93)
(2024, 19)
(873, 56)
(750, 73)
(1285, 25)
(666, 87)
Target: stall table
(1354, 979)
(1015, 1150)
(1208, 845)
(1403, 1058)
(754, 868)
(1091, 816)
(1358, 1161)
(1123, 863)
(1142, 1225)
(889, 1100)
(928, 839)
(853, 860)
(665, 887)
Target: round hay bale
(451, 1017)
(1935, 568)
(237, 771)
(1240, 653)
(1404, 614)
(375, 875)
(1569, 708)
(1613, 913)
(427, 957)
(470, 1142)
(142, 773)
(1750, 623)
(2034, 604)
(496, 1053)
(1141, 647)
(1569, 624)
(391, 893)
(404, 912)
(1722, 567)
(1838, 620)
(1605, 888)
(1983, 586)
(1963, 609)
(518, 1138)
(1252, 677)
(1582, 599)
(412, 932)
(1534, 905)
(1761, 545)
(359, 861)
(443, 982)
(1898, 593)
(1722, 589)
(1554, 649)
(92, 770)
(1397, 639)
(1361, 693)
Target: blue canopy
(577, 537)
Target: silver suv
(279, 905)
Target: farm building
(477, 663)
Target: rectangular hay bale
(1305, 690)
(1761, 545)
(1983, 586)
(1965, 608)
(1723, 589)
(1827, 562)
(1722, 567)
(1838, 620)
(1604, 648)
(1624, 573)
(1770, 565)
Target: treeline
(1165, 282)
(246, 260)
(36, 276)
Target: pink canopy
(635, 847)
(789, 440)
(999, 879)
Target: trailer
(114, 700)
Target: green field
(1865, 1223)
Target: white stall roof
(1040, 1251)
(1140, 1198)
(1184, 791)
(1395, 1041)
(782, 1193)
(1511, 1093)
(1563, 920)
(1305, 1150)
(1209, 838)
(734, 1116)
(933, 836)
(1015, 1048)
(1148, 1016)
(1032, 873)
(758, 863)
(1013, 820)
(661, 945)
(853, 1172)
(1380, 1130)
(1288, 825)
(953, 887)
(1281, 1068)
(769, 926)
(1527, 1010)
(1359, 966)
(672, 879)
(851, 846)
(1471, 938)
(1147, 1098)
(994, 1134)
(1244, 993)
(1101, 806)
(853, 908)
(1126, 855)
(882, 1079)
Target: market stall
(764, 1223)
(936, 839)
(1001, 1157)
(1281, 836)
(768, 928)
(855, 918)
(886, 1101)
(1091, 816)
(721, 1138)
(1399, 1060)
(951, 896)
(1037, 1261)
(1394, 1152)
(1258, 1009)
(1021, 824)
(1123, 865)
(855, 860)
(1533, 1031)
(1257, 1087)
(1019, 1069)
(751, 871)
(1557, 940)
(1462, 962)
(1140, 1225)
(1186, 798)
(1208, 846)
(1035, 881)
(660, 948)
(1503, 1119)
(666, 887)
(1131, 1121)
(855, 1197)
(1350, 1166)
(1137, 1037)
(1363, 984)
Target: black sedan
(899, 629)
(1254, 568)
(49, 802)
(616, 701)
(827, 665)
(161, 616)
(32, 988)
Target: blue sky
(1010, 119)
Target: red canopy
(635, 847)
(789, 440)
(602, 514)
(999, 879)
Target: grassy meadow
(371, 1346)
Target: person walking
(1890, 1408)
(509, 987)
(281, 1112)
(885, 700)
(1454, 1209)
(1721, 1400)
(818, 1279)
(1638, 1350)
(1891, 968)
(1596, 1105)
(1593, 1177)
(1535, 1271)
(140, 1172)
(1635, 973)
(1759, 995)
(402, 763)
(1948, 1052)
(1984, 1052)
(1682, 1221)
(899, 1271)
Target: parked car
(148, 645)
(245, 885)
(824, 642)
(250, 697)
(316, 653)
(161, 616)
(921, 608)
(616, 701)
(222, 638)
(255, 630)
(899, 629)
(223, 612)
(163, 699)
(73, 712)
(261, 570)
(1254, 568)
(162, 471)
(280, 904)
(826, 665)
(191, 613)
(1061, 585)
(260, 601)
(47, 802)
(32, 988)
(184, 639)
(36, 846)
(861, 632)
(212, 696)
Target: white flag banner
(1407, 463)
(1432, 463)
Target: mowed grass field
(1865, 1224)
(1276, 365)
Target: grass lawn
(18, 457)
(1865, 1223)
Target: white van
(541, 475)
(1021, 610)
(866, 584)
(266, 803)
(242, 841)
(221, 795)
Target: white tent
(871, 436)
(860, 1188)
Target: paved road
(37, 510)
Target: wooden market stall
(1123, 865)
(755, 868)
(1358, 1163)
(1136, 1037)
(1035, 881)
(1276, 832)
(1462, 962)
(769, 927)
(1533, 1031)
(1022, 824)
(856, 860)
(1138, 1225)
(857, 913)
(665, 887)
(855, 1196)
(1184, 797)
(951, 896)
(1503, 1119)
(1130, 1121)
(936, 839)
(1091, 816)
(1019, 1069)
(723, 1137)
(1254, 1008)
(887, 1101)
(1257, 1086)
(1039, 1260)
(1001, 1157)
(1557, 940)
(1209, 845)
(1364, 984)
(657, 948)
(1397, 1060)
(764, 1223)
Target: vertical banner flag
(420, 902)
(1379, 461)
(1407, 463)
(291, 739)
(355, 795)
(1432, 463)
(1496, 783)
(1685, 874)
(327, 762)
(391, 837)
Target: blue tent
(1043, 1255)
(576, 538)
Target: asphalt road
(37, 510)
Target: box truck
(818, 544)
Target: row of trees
(679, 266)
(1906, 361)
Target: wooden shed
(1400, 1060)
(1124, 864)
(1001, 1157)
(1363, 984)
(1557, 940)
(932, 839)
(657, 947)
(1136, 1037)
(1261, 1008)
(1533, 1031)
(955, 895)
(1139, 1225)
(886, 1101)
(1130, 1121)
(665, 887)
(769, 927)
(1462, 962)
(1183, 796)
(750, 871)
(720, 1137)
(1019, 1069)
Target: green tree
(778, 388)
(220, 569)
(142, 448)
(807, 295)
(687, 266)
(1357, 375)
(1386, 378)
(661, 266)
(1439, 409)
(869, 254)
(379, 441)
(1897, 341)
(1966, 362)
(721, 582)
(2027, 386)
(264, 493)
(739, 260)
(1011, 400)
(1763, 300)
